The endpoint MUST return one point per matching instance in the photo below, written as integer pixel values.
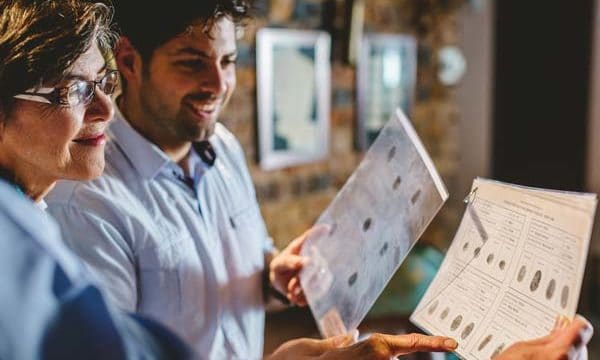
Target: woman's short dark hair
(150, 24)
(40, 40)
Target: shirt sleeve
(46, 314)
(103, 249)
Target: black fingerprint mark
(391, 153)
(498, 350)
(467, 331)
(367, 224)
(397, 183)
(415, 197)
(550, 289)
(522, 273)
(564, 297)
(456, 323)
(535, 281)
(332, 229)
(444, 313)
(384, 249)
(352, 279)
(485, 342)
(433, 307)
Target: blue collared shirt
(48, 307)
(191, 257)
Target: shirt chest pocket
(160, 285)
(248, 237)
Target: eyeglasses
(81, 92)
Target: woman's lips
(92, 140)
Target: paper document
(374, 221)
(516, 263)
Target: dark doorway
(542, 73)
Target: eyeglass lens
(83, 91)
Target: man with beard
(172, 229)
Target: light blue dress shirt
(190, 257)
(48, 307)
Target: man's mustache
(204, 97)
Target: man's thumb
(339, 341)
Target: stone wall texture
(292, 198)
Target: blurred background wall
(524, 112)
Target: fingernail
(354, 333)
(450, 343)
(557, 322)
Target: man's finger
(404, 344)
(575, 335)
(294, 285)
(333, 342)
(289, 263)
(317, 230)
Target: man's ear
(129, 60)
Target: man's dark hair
(150, 24)
(40, 40)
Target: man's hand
(378, 346)
(305, 349)
(285, 267)
(566, 341)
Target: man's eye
(191, 64)
(230, 61)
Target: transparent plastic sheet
(373, 223)
(516, 262)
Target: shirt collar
(41, 205)
(147, 158)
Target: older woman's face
(56, 141)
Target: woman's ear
(129, 60)
(3, 119)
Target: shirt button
(232, 222)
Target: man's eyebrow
(76, 76)
(191, 51)
(200, 53)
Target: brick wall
(292, 199)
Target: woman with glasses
(54, 108)
(55, 87)
(54, 95)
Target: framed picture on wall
(293, 94)
(386, 79)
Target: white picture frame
(293, 72)
(386, 80)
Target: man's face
(188, 80)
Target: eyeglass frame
(58, 95)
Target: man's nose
(214, 81)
